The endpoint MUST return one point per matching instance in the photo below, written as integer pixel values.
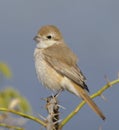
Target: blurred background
(89, 27)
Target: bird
(56, 66)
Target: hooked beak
(37, 39)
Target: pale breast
(45, 73)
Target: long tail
(89, 101)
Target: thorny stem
(73, 113)
(98, 93)
(24, 115)
(10, 127)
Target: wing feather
(64, 61)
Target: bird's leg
(58, 92)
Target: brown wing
(64, 61)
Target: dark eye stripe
(49, 37)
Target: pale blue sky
(90, 28)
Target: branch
(10, 127)
(53, 113)
(24, 115)
(73, 113)
(98, 93)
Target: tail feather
(90, 102)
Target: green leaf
(5, 70)
(11, 98)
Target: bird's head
(47, 36)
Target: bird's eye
(49, 36)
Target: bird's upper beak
(37, 39)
